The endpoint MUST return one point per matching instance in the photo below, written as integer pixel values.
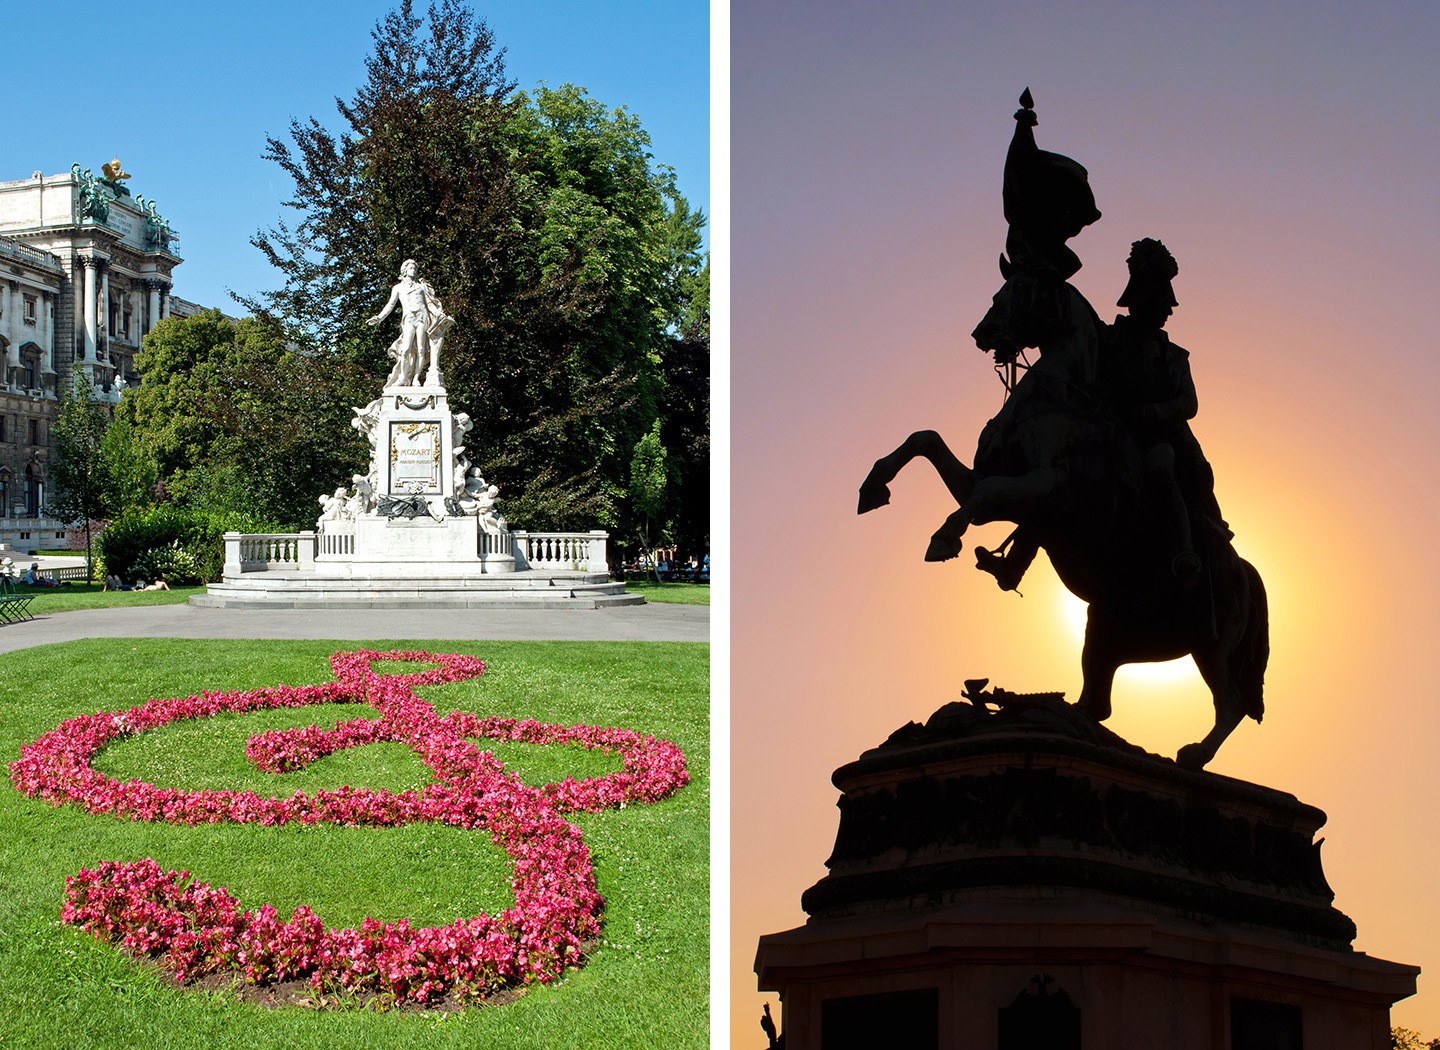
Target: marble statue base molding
(952, 977)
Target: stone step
(538, 590)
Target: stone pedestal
(414, 525)
(414, 444)
(1023, 878)
(449, 540)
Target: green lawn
(645, 986)
(671, 593)
(93, 596)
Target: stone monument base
(449, 542)
(435, 587)
(415, 562)
(1059, 971)
(1021, 878)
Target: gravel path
(652, 622)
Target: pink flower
(195, 929)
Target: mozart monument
(422, 525)
(1010, 874)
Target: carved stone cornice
(1036, 795)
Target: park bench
(14, 605)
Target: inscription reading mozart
(415, 457)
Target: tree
(559, 247)
(80, 473)
(1408, 1039)
(130, 470)
(685, 415)
(236, 419)
(647, 486)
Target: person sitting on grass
(33, 578)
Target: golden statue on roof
(113, 171)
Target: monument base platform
(399, 586)
(1023, 878)
(1065, 974)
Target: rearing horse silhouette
(1057, 465)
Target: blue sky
(186, 94)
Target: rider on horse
(1149, 377)
(1145, 380)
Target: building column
(165, 300)
(46, 324)
(152, 305)
(105, 304)
(14, 306)
(91, 344)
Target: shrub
(180, 545)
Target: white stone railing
(573, 551)
(296, 551)
(500, 545)
(337, 539)
(25, 253)
(267, 551)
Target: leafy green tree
(647, 487)
(80, 474)
(685, 414)
(567, 257)
(236, 419)
(130, 473)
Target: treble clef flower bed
(194, 929)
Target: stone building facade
(85, 272)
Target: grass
(646, 985)
(94, 596)
(671, 593)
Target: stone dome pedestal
(1022, 878)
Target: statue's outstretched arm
(394, 298)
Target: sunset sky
(1287, 155)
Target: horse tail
(1254, 646)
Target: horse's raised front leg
(946, 543)
(926, 444)
(991, 499)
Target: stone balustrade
(502, 544)
(25, 253)
(269, 551)
(296, 551)
(337, 539)
(576, 551)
